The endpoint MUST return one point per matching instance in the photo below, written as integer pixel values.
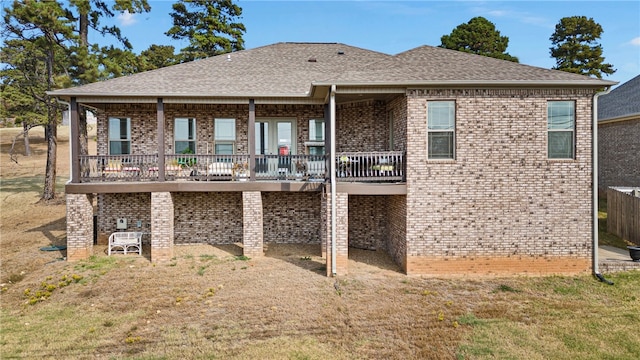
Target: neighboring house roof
(622, 102)
(294, 69)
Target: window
(224, 136)
(441, 126)
(316, 130)
(315, 146)
(560, 127)
(119, 136)
(185, 135)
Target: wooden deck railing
(370, 166)
(94, 168)
(350, 167)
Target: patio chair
(124, 242)
(93, 168)
(113, 168)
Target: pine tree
(209, 25)
(576, 48)
(45, 29)
(478, 36)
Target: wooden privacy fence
(623, 214)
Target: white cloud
(635, 41)
(126, 19)
(519, 16)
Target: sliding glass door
(275, 140)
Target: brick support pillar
(325, 224)
(252, 227)
(342, 234)
(79, 227)
(161, 226)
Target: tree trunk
(25, 135)
(50, 131)
(51, 136)
(82, 111)
(82, 131)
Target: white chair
(123, 242)
(221, 168)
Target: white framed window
(224, 134)
(316, 130)
(184, 135)
(315, 145)
(119, 136)
(441, 129)
(561, 122)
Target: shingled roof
(292, 69)
(621, 102)
(428, 64)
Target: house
(619, 136)
(452, 163)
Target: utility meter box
(121, 224)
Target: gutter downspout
(594, 155)
(332, 167)
(70, 139)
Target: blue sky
(396, 26)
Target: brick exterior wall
(368, 222)
(362, 126)
(501, 205)
(252, 244)
(397, 240)
(79, 226)
(291, 217)
(144, 124)
(397, 109)
(161, 226)
(132, 206)
(209, 217)
(619, 154)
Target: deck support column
(252, 226)
(161, 226)
(342, 232)
(160, 129)
(74, 124)
(79, 226)
(251, 131)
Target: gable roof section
(427, 65)
(282, 69)
(621, 102)
(295, 69)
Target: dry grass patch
(562, 318)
